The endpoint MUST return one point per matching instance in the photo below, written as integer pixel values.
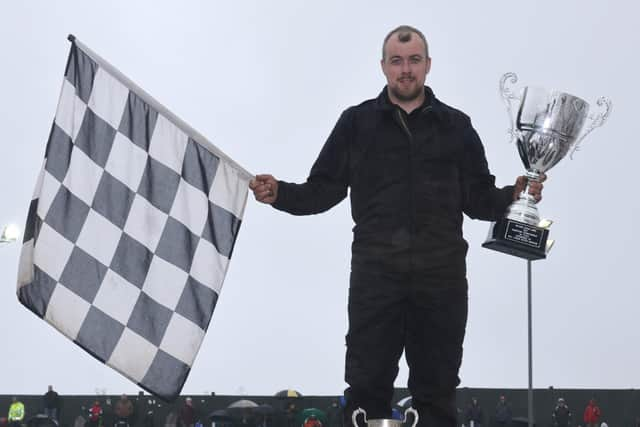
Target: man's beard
(406, 97)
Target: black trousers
(389, 313)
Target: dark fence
(620, 408)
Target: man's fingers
(264, 187)
(265, 178)
(261, 188)
(266, 198)
(264, 193)
(262, 179)
(535, 187)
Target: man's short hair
(404, 34)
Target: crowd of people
(124, 413)
(561, 416)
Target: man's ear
(428, 65)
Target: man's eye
(395, 61)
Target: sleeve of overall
(481, 198)
(328, 180)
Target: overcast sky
(266, 81)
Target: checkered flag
(131, 227)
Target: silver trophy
(384, 422)
(548, 125)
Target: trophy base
(518, 239)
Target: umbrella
(264, 409)
(243, 403)
(220, 415)
(243, 409)
(41, 421)
(288, 393)
(312, 412)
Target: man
(474, 416)
(95, 415)
(187, 417)
(503, 412)
(16, 413)
(413, 166)
(561, 414)
(51, 403)
(592, 414)
(123, 411)
(108, 413)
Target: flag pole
(530, 347)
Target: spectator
(51, 403)
(16, 413)
(290, 414)
(95, 415)
(503, 412)
(108, 414)
(171, 420)
(561, 414)
(124, 410)
(474, 415)
(592, 414)
(312, 421)
(334, 414)
(149, 418)
(187, 416)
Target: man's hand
(265, 188)
(535, 188)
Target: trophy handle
(415, 416)
(597, 120)
(507, 97)
(355, 415)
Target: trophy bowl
(549, 124)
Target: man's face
(405, 66)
